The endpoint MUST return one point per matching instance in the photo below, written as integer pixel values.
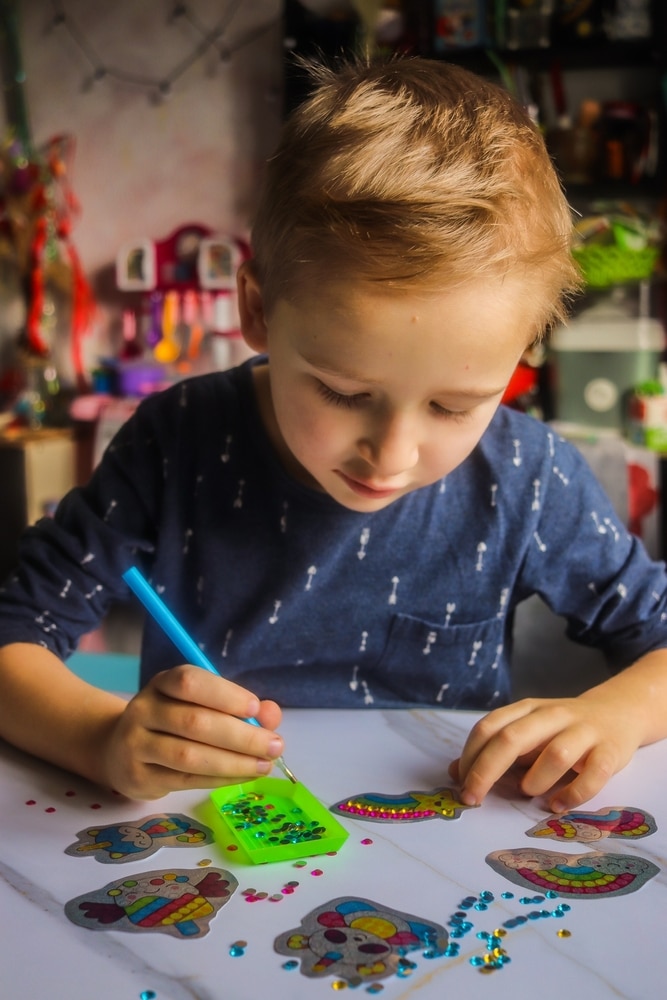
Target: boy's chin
(363, 504)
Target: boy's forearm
(48, 711)
(641, 694)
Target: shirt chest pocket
(455, 666)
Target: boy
(350, 519)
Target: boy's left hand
(594, 736)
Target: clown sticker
(358, 940)
(139, 838)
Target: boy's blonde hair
(412, 173)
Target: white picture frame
(136, 269)
(218, 261)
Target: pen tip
(286, 771)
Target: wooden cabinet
(36, 469)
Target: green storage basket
(603, 266)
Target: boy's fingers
(503, 749)
(269, 714)
(177, 703)
(600, 765)
(198, 687)
(561, 754)
(554, 742)
(156, 780)
(206, 727)
(453, 770)
(186, 758)
(489, 727)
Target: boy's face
(369, 395)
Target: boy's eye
(356, 399)
(457, 415)
(338, 398)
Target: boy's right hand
(186, 729)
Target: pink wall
(143, 166)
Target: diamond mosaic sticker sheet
(180, 901)
(358, 940)
(410, 807)
(138, 839)
(625, 822)
(590, 875)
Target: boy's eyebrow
(472, 393)
(328, 369)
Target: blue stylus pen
(180, 638)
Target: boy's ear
(251, 308)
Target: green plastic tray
(272, 819)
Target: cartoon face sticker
(624, 822)
(411, 807)
(357, 940)
(134, 837)
(178, 902)
(584, 876)
(130, 841)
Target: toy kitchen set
(185, 319)
(180, 318)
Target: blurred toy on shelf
(525, 389)
(459, 24)
(629, 19)
(617, 244)
(647, 415)
(581, 21)
(575, 145)
(524, 24)
(42, 274)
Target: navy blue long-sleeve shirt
(301, 600)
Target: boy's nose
(390, 447)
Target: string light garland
(159, 88)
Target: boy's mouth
(364, 489)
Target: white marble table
(426, 868)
